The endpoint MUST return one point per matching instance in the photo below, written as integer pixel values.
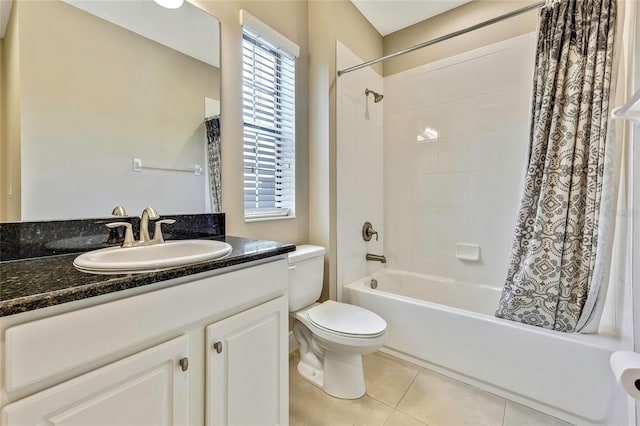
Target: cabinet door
(148, 388)
(247, 367)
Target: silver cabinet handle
(184, 364)
(218, 347)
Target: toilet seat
(346, 320)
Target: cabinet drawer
(50, 347)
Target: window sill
(249, 219)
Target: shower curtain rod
(445, 37)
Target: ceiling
(389, 16)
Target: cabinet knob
(218, 347)
(184, 364)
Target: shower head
(377, 97)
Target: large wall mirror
(105, 103)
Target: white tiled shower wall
(359, 168)
(455, 148)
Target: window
(268, 109)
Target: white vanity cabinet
(148, 388)
(247, 362)
(152, 358)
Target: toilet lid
(349, 320)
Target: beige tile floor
(403, 394)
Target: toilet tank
(306, 270)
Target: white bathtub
(450, 326)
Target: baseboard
(293, 344)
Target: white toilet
(332, 336)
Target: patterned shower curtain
(550, 275)
(212, 125)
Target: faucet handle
(157, 233)
(368, 232)
(128, 234)
(119, 211)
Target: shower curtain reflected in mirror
(212, 125)
(559, 262)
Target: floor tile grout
(407, 389)
(409, 415)
(395, 408)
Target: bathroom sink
(149, 258)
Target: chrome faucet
(376, 257)
(148, 213)
(145, 239)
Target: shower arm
(377, 97)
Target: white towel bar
(138, 167)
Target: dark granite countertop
(40, 282)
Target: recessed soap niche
(469, 252)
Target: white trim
(293, 343)
(269, 34)
(269, 212)
(5, 12)
(249, 219)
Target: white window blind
(268, 108)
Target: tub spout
(376, 257)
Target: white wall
(359, 169)
(330, 21)
(289, 19)
(455, 138)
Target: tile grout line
(418, 371)
(407, 390)
(394, 407)
(409, 415)
(504, 412)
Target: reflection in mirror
(92, 86)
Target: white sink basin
(118, 260)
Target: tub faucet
(148, 213)
(376, 257)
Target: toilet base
(331, 361)
(342, 376)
